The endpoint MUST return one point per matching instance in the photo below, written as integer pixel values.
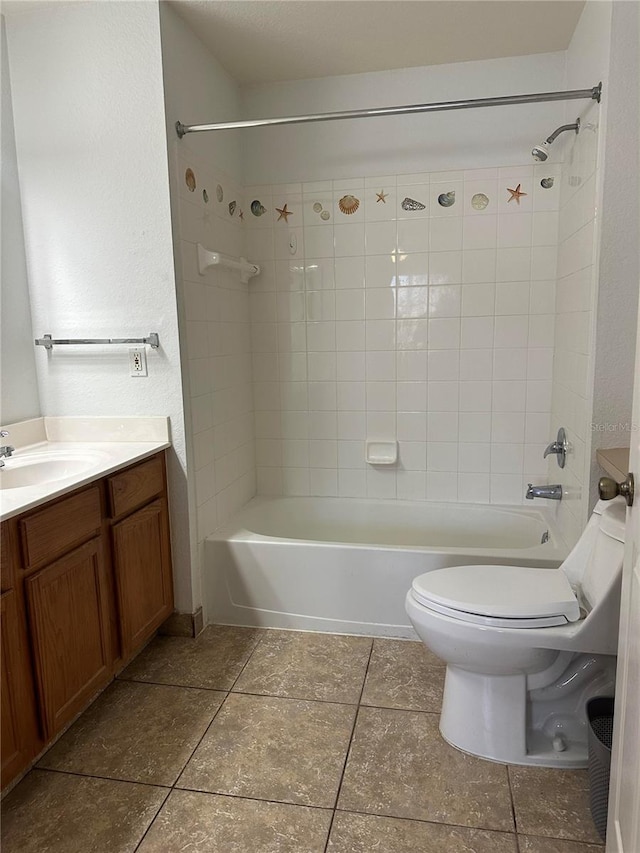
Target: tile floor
(260, 741)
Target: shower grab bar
(48, 342)
(208, 258)
(593, 94)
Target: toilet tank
(595, 564)
(604, 567)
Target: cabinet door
(70, 628)
(20, 737)
(142, 563)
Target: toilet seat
(499, 596)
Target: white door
(623, 826)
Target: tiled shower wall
(217, 345)
(431, 326)
(572, 398)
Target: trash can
(600, 738)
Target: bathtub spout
(552, 493)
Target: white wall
(213, 309)
(577, 290)
(92, 159)
(619, 264)
(465, 139)
(18, 383)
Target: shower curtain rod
(574, 94)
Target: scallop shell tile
(257, 208)
(348, 204)
(232, 207)
(190, 180)
(317, 207)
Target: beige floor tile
(355, 833)
(400, 766)
(59, 813)
(404, 675)
(553, 803)
(213, 660)
(533, 844)
(136, 732)
(329, 667)
(192, 821)
(273, 749)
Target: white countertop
(95, 458)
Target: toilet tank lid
(515, 592)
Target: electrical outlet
(137, 362)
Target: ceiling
(264, 41)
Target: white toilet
(526, 648)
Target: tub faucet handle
(559, 447)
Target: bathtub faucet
(552, 493)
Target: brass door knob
(609, 489)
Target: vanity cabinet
(141, 551)
(21, 739)
(86, 581)
(70, 633)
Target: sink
(35, 469)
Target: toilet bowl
(526, 648)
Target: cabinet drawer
(136, 486)
(60, 527)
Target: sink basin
(37, 469)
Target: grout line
(181, 771)
(117, 779)
(513, 804)
(152, 821)
(254, 799)
(430, 822)
(346, 757)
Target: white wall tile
(435, 327)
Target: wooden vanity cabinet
(21, 740)
(141, 551)
(86, 581)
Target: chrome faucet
(6, 449)
(551, 493)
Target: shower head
(541, 152)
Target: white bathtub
(345, 565)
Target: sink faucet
(6, 449)
(552, 493)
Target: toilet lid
(503, 592)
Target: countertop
(95, 459)
(615, 461)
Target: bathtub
(344, 565)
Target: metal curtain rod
(48, 342)
(574, 94)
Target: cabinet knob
(609, 489)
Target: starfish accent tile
(515, 194)
(382, 196)
(284, 213)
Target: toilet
(526, 648)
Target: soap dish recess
(382, 452)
